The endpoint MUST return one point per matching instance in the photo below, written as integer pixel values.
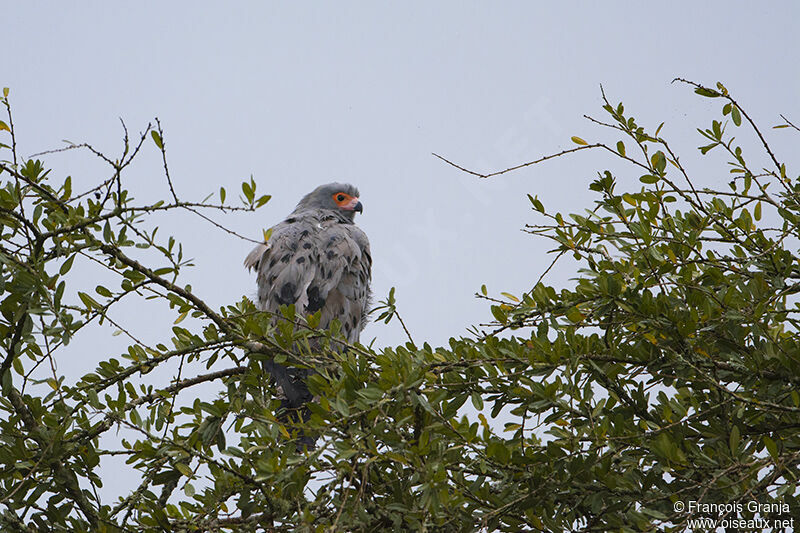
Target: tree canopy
(666, 373)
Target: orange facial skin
(347, 202)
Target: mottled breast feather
(316, 261)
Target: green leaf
(17, 365)
(477, 401)
(734, 439)
(222, 195)
(575, 315)
(341, 405)
(772, 448)
(102, 291)
(5, 92)
(59, 293)
(184, 469)
(705, 149)
(621, 148)
(708, 93)
(654, 513)
(67, 264)
(4, 126)
(157, 139)
(648, 179)
(537, 205)
(736, 116)
(578, 140)
(247, 189)
(499, 314)
(716, 128)
(88, 301)
(757, 211)
(659, 161)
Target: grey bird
(318, 260)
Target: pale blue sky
(300, 95)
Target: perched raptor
(318, 260)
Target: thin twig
(517, 167)
(163, 148)
(743, 112)
(789, 122)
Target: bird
(318, 260)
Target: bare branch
(517, 167)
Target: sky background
(300, 95)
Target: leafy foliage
(668, 372)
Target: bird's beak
(354, 205)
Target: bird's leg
(294, 395)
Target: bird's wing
(345, 272)
(316, 263)
(285, 265)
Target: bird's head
(341, 198)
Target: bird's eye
(340, 197)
